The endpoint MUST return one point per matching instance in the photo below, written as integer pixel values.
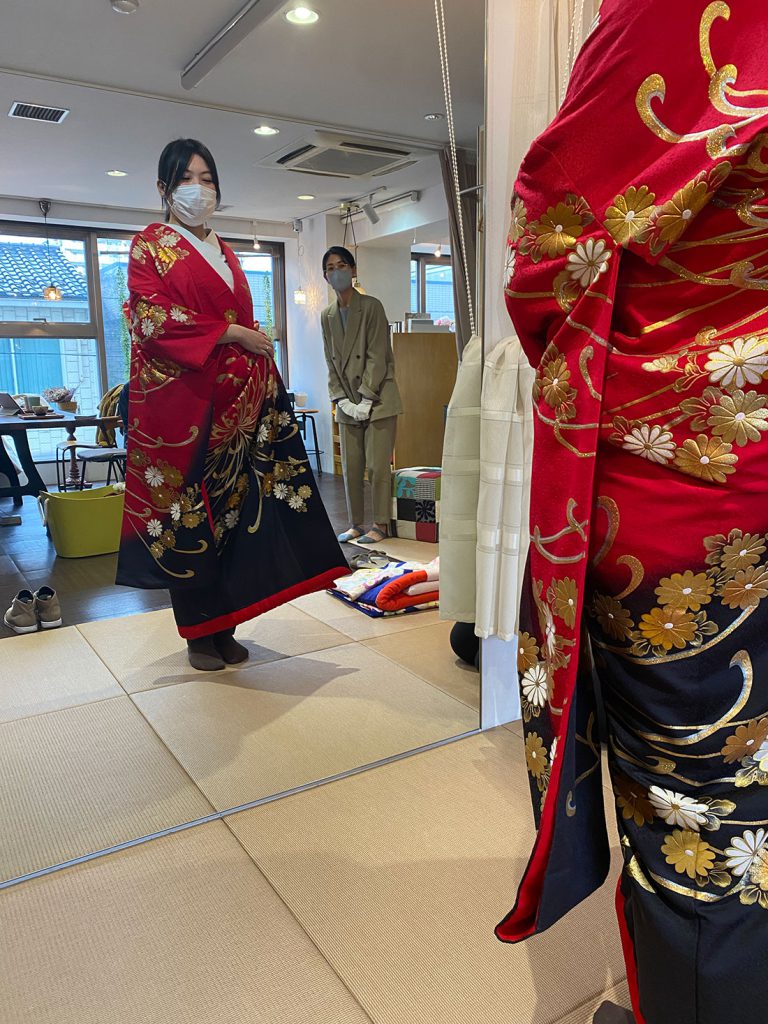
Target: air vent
(34, 112)
(330, 155)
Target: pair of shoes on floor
(370, 560)
(373, 536)
(610, 1013)
(214, 653)
(30, 612)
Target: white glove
(362, 410)
(347, 407)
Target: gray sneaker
(48, 608)
(21, 617)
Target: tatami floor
(368, 900)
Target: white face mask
(193, 204)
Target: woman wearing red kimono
(221, 506)
(638, 283)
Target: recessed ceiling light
(302, 16)
(125, 6)
(306, 197)
(117, 174)
(433, 117)
(266, 129)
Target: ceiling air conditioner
(344, 156)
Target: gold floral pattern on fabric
(736, 580)
(164, 250)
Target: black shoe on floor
(610, 1013)
(229, 649)
(204, 656)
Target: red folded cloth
(393, 597)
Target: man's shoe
(48, 608)
(21, 617)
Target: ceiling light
(52, 293)
(266, 129)
(256, 244)
(125, 6)
(439, 251)
(306, 197)
(300, 296)
(433, 117)
(302, 16)
(117, 174)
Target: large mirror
(329, 130)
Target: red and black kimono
(221, 506)
(638, 283)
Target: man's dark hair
(342, 253)
(174, 161)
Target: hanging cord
(444, 66)
(574, 44)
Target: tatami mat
(400, 875)
(427, 652)
(356, 624)
(249, 734)
(50, 670)
(84, 779)
(183, 930)
(145, 651)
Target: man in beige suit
(361, 381)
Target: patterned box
(416, 503)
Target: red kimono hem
(630, 960)
(223, 622)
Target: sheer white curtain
(531, 48)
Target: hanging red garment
(220, 498)
(638, 283)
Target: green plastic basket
(84, 523)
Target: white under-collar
(210, 249)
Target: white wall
(386, 273)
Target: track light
(370, 212)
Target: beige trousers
(368, 445)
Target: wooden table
(16, 428)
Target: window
(432, 288)
(113, 256)
(265, 274)
(83, 341)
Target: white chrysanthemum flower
(677, 809)
(154, 528)
(742, 362)
(281, 491)
(651, 443)
(296, 503)
(589, 261)
(175, 511)
(743, 851)
(154, 477)
(179, 315)
(263, 433)
(762, 757)
(147, 327)
(535, 685)
(284, 419)
(232, 518)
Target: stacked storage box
(416, 503)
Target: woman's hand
(252, 341)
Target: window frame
(424, 260)
(94, 327)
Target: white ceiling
(367, 66)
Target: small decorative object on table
(63, 397)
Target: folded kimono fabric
(423, 588)
(393, 596)
(366, 602)
(362, 580)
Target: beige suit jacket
(360, 360)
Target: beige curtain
(531, 49)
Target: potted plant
(63, 397)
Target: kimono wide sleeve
(164, 327)
(608, 205)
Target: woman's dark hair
(342, 253)
(174, 161)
